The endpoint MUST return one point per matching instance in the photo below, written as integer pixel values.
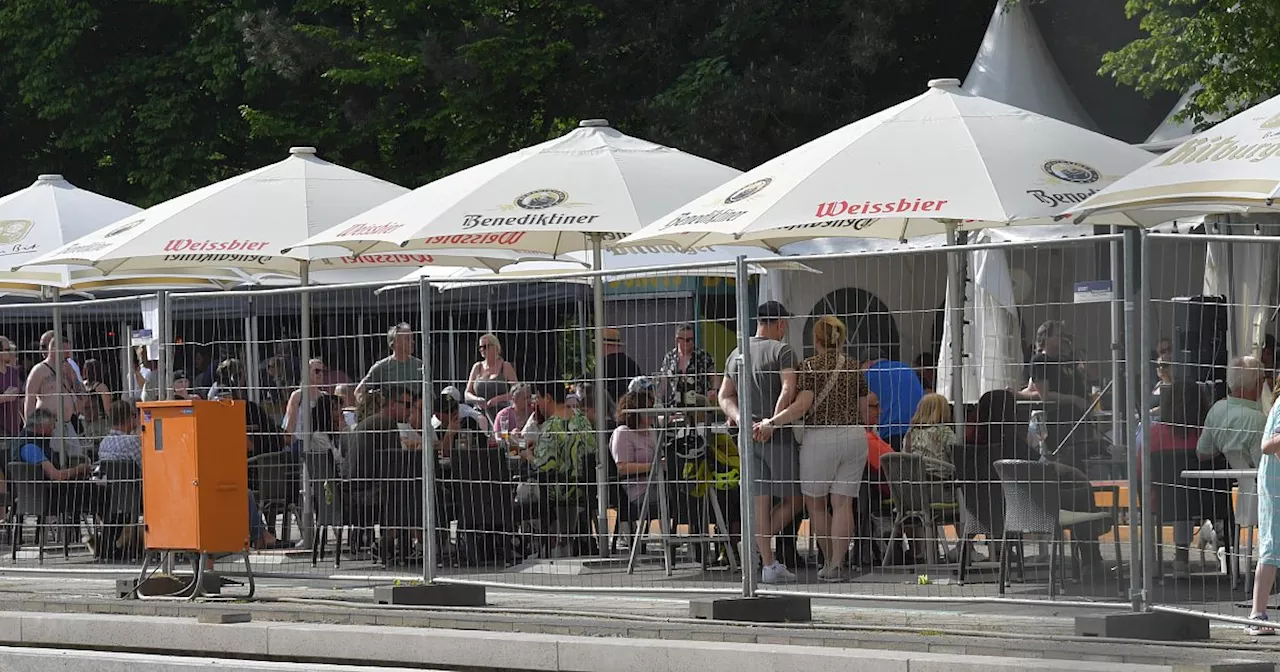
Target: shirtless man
(42, 387)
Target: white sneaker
(832, 575)
(777, 573)
(1259, 630)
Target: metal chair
(329, 494)
(31, 497)
(1033, 504)
(917, 495)
(122, 480)
(278, 477)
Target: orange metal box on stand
(195, 476)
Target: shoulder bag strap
(831, 383)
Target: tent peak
(50, 177)
(593, 123)
(302, 151)
(944, 83)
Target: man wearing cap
(775, 453)
(619, 368)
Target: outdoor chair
(329, 496)
(122, 480)
(1191, 501)
(918, 496)
(278, 477)
(1033, 504)
(32, 496)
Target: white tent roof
(1014, 66)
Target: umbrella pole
(301, 424)
(602, 441)
(955, 300)
(61, 441)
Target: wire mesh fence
(1211, 373)
(551, 464)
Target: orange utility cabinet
(195, 476)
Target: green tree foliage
(145, 99)
(1229, 50)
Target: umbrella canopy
(623, 260)
(943, 158)
(1234, 165)
(51, 212)
(546, 198)
(243, 222)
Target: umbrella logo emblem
(748, 191)
(541, 199)
(122, 228)
(14, 230)
(1071, 171)
(1273, 122)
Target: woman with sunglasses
(316, 372)
(491, 379)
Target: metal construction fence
(582, 429)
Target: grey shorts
(775, 469)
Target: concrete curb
(387, 645)
(15, 659)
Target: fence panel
(69, 484)
(1213, 299)
(558, 504)
(932, 499)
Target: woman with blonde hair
(833, 455)
(489, 385)
(931, 434)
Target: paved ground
(1006, 629)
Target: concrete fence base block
(225, 617)
(431, 595)
(773, 609)
(1226, 666)
(1153, 626)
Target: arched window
(869, 321)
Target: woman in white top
(316, 371)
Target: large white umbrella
(1232, 166)
(550, 197)
(941, 162)
(564, 195)
(242, 222)
(51, 212)
(943, 159)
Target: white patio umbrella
(941, 162)
(1234, 165)
(564, 195)
(51, 212)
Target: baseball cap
(772, 310)
(640, 384)
(453, 393)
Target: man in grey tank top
(775, 452)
